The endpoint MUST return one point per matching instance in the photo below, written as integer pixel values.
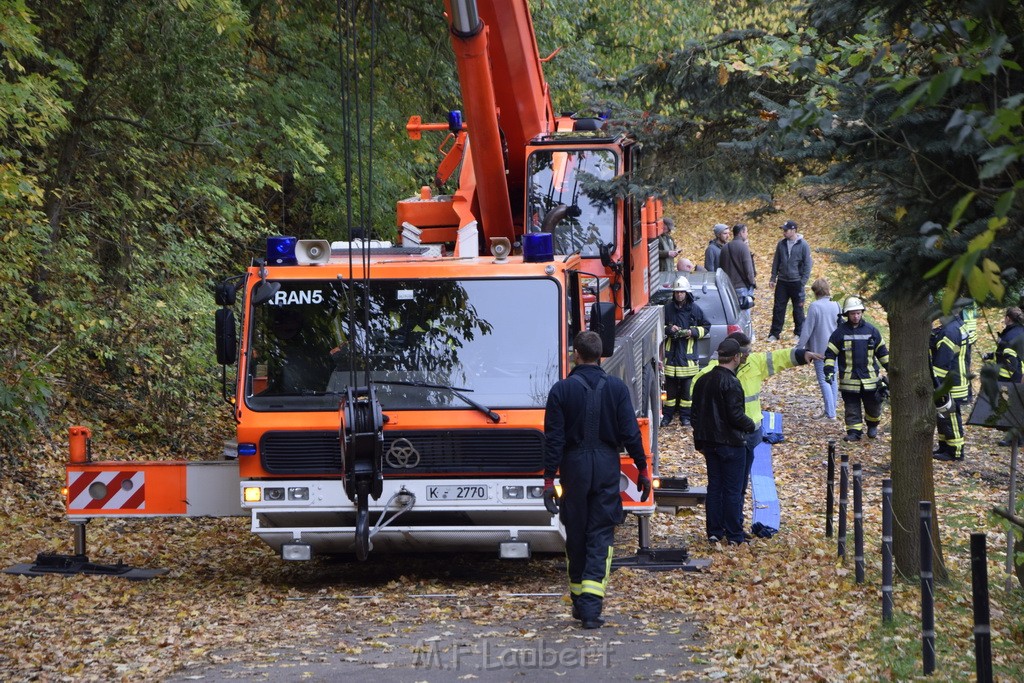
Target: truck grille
(447, 451)
(301, 452)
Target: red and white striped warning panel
(631, 496)
(107, 490)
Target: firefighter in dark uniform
(1007, 354)
(856, 350)
(948, 350)
(589, 419)
(685, 323)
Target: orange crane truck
(390, 396)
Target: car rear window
(711, 304)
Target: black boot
(666, 419)
(872, 431)
(852, 436)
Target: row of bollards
(979, 571)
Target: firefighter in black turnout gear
(589, 419)
(685, 323)
(855, 353)
(948, 349)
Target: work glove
(643, 483)
(829, 377)
(550, 496)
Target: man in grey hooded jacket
(791, 268)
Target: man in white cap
(713, 254)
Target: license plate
(457, 492)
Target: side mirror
(226, 339)
(224, 293)
(264, 292)
(602, 321)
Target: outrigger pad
(48, 564)
(661, 559)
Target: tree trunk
(913, 429)
(62, 175)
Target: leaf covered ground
(785, 608)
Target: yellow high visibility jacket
(755, 370)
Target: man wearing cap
(752, 371)
(856, 350)
(791, 268)
(720, 428)
(685, 323)
(589, 417)
(667, 251)
(713, 254)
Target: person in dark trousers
(685, 323)
(588, 420)
(738, 264)
(752, 372)
(720, 429)
(948, 351)
(791, 268)
(856, 351)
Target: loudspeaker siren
(312, 252)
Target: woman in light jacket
(822, 318)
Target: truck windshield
(571, 177)
(495, 341)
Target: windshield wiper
(457, 391)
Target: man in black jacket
(720, 426)
(589, 418)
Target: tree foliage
(148, 146)
(913, 110)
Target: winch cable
(348, 67)
(362, 417)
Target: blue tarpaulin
(764, 495)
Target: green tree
(912, 109)
(33, 114)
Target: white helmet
(682, 284)
(853, 303)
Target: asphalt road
(628, 647)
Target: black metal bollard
(887, 559)
(830, 493)
(979, 588)
(844, 486)
(927, 590)
(858, 524)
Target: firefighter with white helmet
(856, 352)
(685, 323)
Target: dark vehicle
(716, 296)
